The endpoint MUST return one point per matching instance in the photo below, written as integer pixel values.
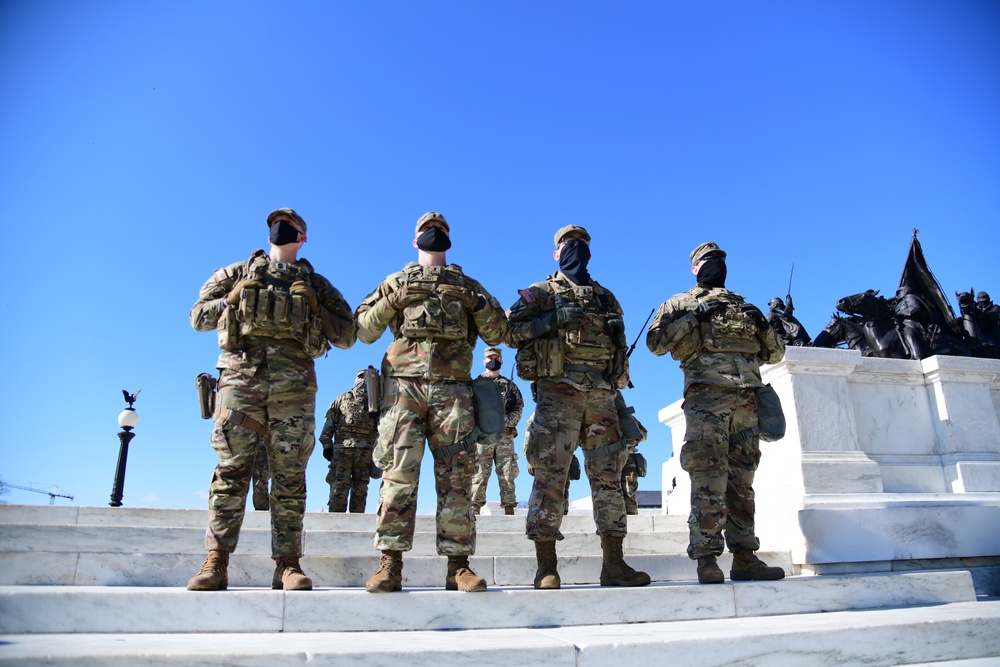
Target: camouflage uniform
(630, 473)
(721, 360)
(503, 452)
(259, 476)
(531, 470)
(267, 384)
(427, 395)
(575, 403)
(348, 437)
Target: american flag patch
(528, 296)
(221, 275)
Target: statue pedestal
(883, 460)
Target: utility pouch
(206, 394)
(641, 467)
(526, 362)
(489, 410)
(228, 328)
(551, 356)
(373, 388)
(626, 422)
(770, 417)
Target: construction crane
(52, 494)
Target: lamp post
(128, 420)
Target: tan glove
(406, 295)
(233, 298)
(469, 299)
(302, 288)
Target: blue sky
(143, 144)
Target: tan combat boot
(461, 578)
(546, 577)
(747, 567)
(709, 571)
(289, 576)
(389, 577)
(214, 575)
(508, 509)
(615, 571)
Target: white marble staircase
(97, 586)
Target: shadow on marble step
(174, 570)
(152, 539)
(54, 609)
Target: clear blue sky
(142, 145)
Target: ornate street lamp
(128, 420)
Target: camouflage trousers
(283, 399)
(630, 484)
(564, 418)
(721, 464)
(260, 476)
(350, 472)
(440, 413)
(506, 461)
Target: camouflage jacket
(513, 405)
(337, 321)
(348, 422)
(433, 338)
(584, 344)
(700, 346)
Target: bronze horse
(878, 323)
(843, 331)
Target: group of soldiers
(275, 314)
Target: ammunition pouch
(770, 417)
(540, 358)
(373, 388)
(228, 328)
(206, 394)
(730, 331)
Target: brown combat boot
(615, 571)
(547, 576)
(289, 576)
(461, 578)
(747, 567)
(389, 577)
(709, 571)
(214, 575)
(508, 510)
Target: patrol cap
(707, 248)
(361, 373)
(491, 351)
(569, 229)
(428, 217)
(288, 213)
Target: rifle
(631, 348)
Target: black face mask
(712, 273)
(493, 365)
(573, 259)
(434, 239)
(283, 233)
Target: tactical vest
(729, 331)
(439, 316)
(357, 421)
(273, 312)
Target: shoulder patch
(221, 275)
(526, 295)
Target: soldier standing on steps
(435, 313)
(274, 315)
(720, 340)
(348, 439)
(570, 338)
(502, 454)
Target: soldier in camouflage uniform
(259, 476)
(720, 341)
(570, 338)
(435, 313)
(574, 464)
(348, 438)
(503, 452)
(630, 473)
(274, 314)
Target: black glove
(616, 327)
(706, 308)
(758, 317)
(569, 313)
(328, 453)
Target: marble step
(165, 569)
(59, 609)
(965, 634)
(39, 515)
(90, 538)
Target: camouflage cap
(427, 217)
(493, 351)
(288, 213)
(361, 373)
(707, 248)
(571, 229)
